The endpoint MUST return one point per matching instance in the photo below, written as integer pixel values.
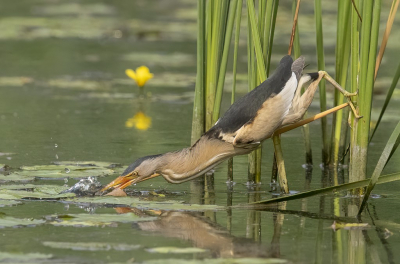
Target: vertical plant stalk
(213, 56)
(322, 84)
(389, 24)
(198, 122)
(235, 59)
(255, 160)
(342, 63)
(355, 53)
(294, 27)
(283, 183)
(297, 53)
(369, 41)
(224, 60)
(276, 139)
(198, 106)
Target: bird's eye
(135, 173)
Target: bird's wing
(247, 109)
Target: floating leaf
(137, 203)
(89, 163)
(8, 221)
(44, 192)
(14, 177)
(96, 219)
(66, 172)
(339, 225)
(90, 246)
(4, 203)
(7, 257)
(218, 261)
(175, 250)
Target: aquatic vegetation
(85, 220)
(141, 76)
(9, 221)
(90, 246)
(175, 250)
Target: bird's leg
(343, 91)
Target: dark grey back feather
(245, 109)
(298, 66)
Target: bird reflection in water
(201, 232)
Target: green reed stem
(322, 84)
(271, 35)
(342, 63)
(198, 106)
(369, 41)
(283, 183)
(224, 60)
(235, 60)
(213, 62)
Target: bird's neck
(192, 162)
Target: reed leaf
(387, 100)
(332, 189)
(390, 147)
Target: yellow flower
(140, 121)
(141, 76)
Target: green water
(64, 96)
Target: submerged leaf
(8, 221)
(89, 164)
(45, 192)
(90, 246)
(96, 219)
(176, 250)
(218, 261)
(66, 172)
(4, 203)
(137, 203)
(7, 257)
(14, 177)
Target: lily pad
(14, 177)
(7, 257)
(176, 250)
(96, 219)
(8, 221)
(219, 261)
(143, 204)
(44, 192)
(90, 246)
(62, 173)
(4, 203)
(88, 164)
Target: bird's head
(141, 170)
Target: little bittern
(250, 120)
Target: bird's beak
(124, 181)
